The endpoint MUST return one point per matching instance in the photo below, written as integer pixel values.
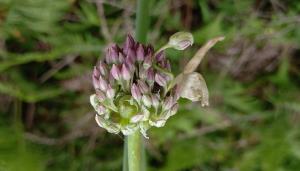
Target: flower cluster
(134, 90)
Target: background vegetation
(48, 49)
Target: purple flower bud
(111, 79)
(155, 100)
(181, 40)
(129, 65)
(150, 76)
(112, 54)
(100, 95)
(168, 103)
(160, 79)
(149, 50)
(135, 92)
(121, 57)
(102, 67)
(147, 62)
(96, 72)
(147, 100)
(128, 44)
(142, 73)
(160, 56)
(115, 72)
(110, 92)
(165, 64)
(140, 53)
(95, 82)
(102, 83)
(125, 72)
(131, 58)
(131, 54)
(143, 87)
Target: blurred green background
(49, 47)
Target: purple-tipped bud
(160, 79)
(165, 64)
(142, 73)
(115, 72)
(110, 92)
(168, 103)
(102, 68)
(143, 87)
(128, 44)
(95, 82)
(112, 55)
(140, 53)
(150, 76)
(100, 95)
(121, 57)
(155, 100)
(181, 40)
(160, 56)
(135, 92)
(131, 54)
(129, 65)
(96, 72)
(111, 79)
(125, 72)
(147, 100)
(149, 50)
(147, 62)
(102, 83)
(131, 57)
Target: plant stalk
(134, 151)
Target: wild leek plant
(136, 90)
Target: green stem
(142, 20)
(134, 151)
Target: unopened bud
(135, 92)
(181, 40)
(168, 103)
(146, 100)
(140, 54)
(115, 72)
(102, 83)
(155, 100)
(129, 43)
(125, 72)
(147, 62)
(102, 68)
(143, 86)
(110, 92)
(160, 79)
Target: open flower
(135, 88)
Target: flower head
(135, 88)
(132, 88)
